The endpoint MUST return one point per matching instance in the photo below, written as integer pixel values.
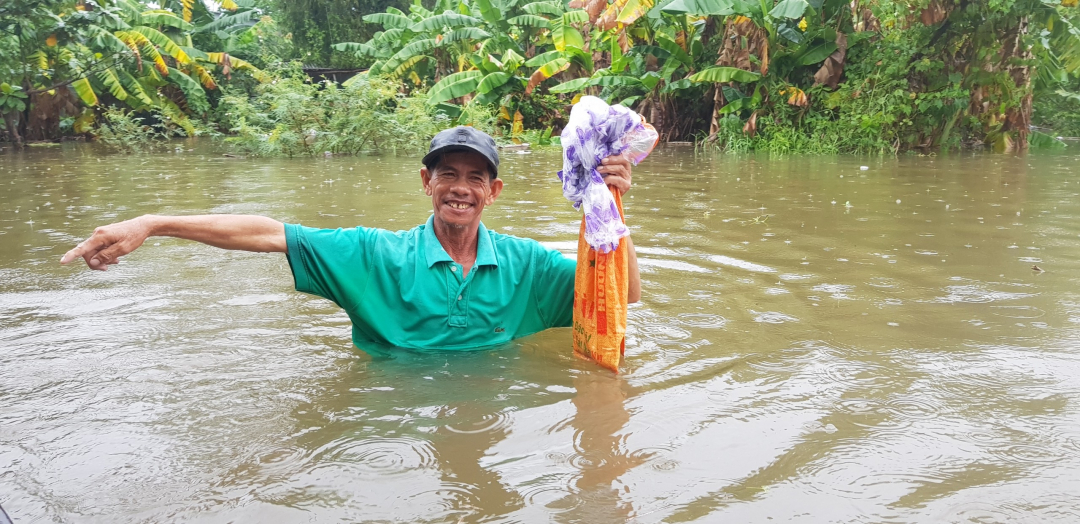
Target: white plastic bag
(597, 131)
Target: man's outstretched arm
(241, 232)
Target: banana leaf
(669, 45)
(542, 58)
(389, 20)
(725, 74)
(563, 34)
(545, 72)
(570, 85)
(454, 86)
(465, 33)
(448, 19)
(701, 7)
(359, 48)
(163, 18)
(85, 91)
(817, 53)
(165, 43)
(543, 8)
(534, 21)
(789, 9)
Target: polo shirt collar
(434, 252)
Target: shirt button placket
(457, 312)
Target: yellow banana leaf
(85, 91)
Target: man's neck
(459, 242)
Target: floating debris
(515, 147)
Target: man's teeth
(459, 206)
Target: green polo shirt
(403, 289)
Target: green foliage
(474, 54)
(782, 76)
(294, 117)
(130, 52)
(315, 25)
(12, 98)
(541, 112)
(722, 75)
(1058, 113)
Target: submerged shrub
(124, 131)
(291, 116)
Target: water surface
(815, 342)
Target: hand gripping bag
(596, 131)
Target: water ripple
(486, 423)
(379, 455)
(976, 294)
(554, 492)
(701, 320)
(1022, 312)
(979, 513)
(662, 333)
(772, 317)
(741, 264)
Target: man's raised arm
(241, 232)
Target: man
(448, 284)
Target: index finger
(80, 250)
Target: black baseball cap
(463, 138)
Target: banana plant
(125, 51)
(153, 50)
(481, 53)
(770, 46)
(648, 75)
(421, 45)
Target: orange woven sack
(601, 290)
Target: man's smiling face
(460, 185)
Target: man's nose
(459, 186)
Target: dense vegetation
(774, 75)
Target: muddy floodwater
(816, 342)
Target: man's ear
(496, 189)
(425, 177)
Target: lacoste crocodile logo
(499, 330)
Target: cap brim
(436, 153)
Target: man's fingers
(106, 245)
(616, 171)
(69, 256)
(92, 262)
(111, 255)
(622, 184)
(88, 250)
(74, 252)
(616, 163)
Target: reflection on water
(813, 341)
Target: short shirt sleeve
(330, 263)
(554, 287)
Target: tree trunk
(1015, 56)
(718, 104)
(11, 121)
(658, 118)
(45, 112)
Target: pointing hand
(109, 243)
